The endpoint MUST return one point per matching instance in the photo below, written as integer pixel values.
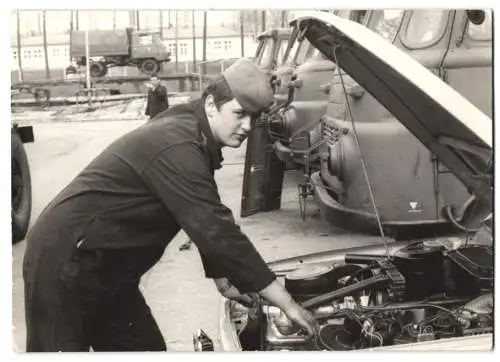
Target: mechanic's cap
(249, 85)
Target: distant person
(157, 98)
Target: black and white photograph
(252, 179)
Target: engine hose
(345, 291)
(482, 304)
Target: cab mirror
(476, 17)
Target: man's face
(155, 81)
(230, 124)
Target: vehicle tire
(21, 188)
(149, 66)
(97, 69)
(104, 70)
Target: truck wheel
(104, 70)
(149, 66)
(97, 69)
(21, 189)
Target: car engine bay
(425, 291)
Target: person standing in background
(157, 98)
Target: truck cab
(411, 187)
(413, 190)
(271, 48)
(307, 71)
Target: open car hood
(453, 129)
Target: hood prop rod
(363, 162)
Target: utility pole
(177, 42)
(263, 22)
(131, 19)
(137, 20)
(114, 19)
(204, 42)
(45, 48)
(161, 24)
(283, 15)
(77, 20)
(242, 34)
(194, 44)
(39, 23)
(87, 66)
(19, 55)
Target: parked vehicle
(432, 294)
(412, 188)
(20, 181)
(271, 48)
(119, 48)
(264, 171)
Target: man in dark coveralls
(157, 98)
(87, 251)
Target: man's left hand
(231, 292)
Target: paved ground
(181, 298)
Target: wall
(217, 48)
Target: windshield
(304, 52)
(482, 31)
(425, 27)
(264, 54)
(281, 51)
(386, 23)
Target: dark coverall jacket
(157, 101)
(88, 249)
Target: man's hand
(302, 318)
(277, 295)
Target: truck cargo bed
(101, 43)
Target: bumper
(338, 214)
(354, 219)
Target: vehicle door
(144, 46)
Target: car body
(391, 295)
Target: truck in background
(119, 48)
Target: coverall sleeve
(164, 94)
(181, 178)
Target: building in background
(223, 33)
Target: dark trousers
(81, 309)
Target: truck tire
(98, 69)
(21, 189)
(149, 66)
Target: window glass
(482, 31)
(281, 50)
(425, 27)
(293, 51)
(386, 23)
(145, 39)
(267, 52)
(304, 51)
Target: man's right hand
(303, 318)
(277, 295)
